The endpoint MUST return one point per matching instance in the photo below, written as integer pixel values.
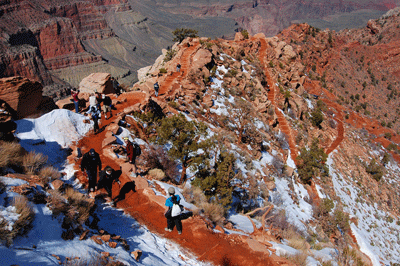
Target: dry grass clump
(157, 174)
(5, 234)
(213, 211)
(49, 173)
(194, 195)
(11, 153)
(22, 225)
(81, 203)
(299, 259)
(56, 203)
(33, 162)
(27, 215)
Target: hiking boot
(180, 232)
(168, 230)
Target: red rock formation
(22, 95)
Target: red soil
(284, 125)
(218, 248)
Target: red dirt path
(218, 248)
(284, 125)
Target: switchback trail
(148, 209)
(284, 125)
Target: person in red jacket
(74, 94)
(131, 154)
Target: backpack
(138, 151)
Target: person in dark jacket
(131, 154)
(117, 88)
(156, 88)
(172, 221)
(107, 103)
(95, 114)
(106, 179)
(91, 162)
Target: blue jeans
(76, 103)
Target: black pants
(92, 176)
(174, 221)
(96, 125)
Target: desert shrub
(213, 211)
(11, 154)
(245, 34)
(81, 206)
(6, 235)
(345, 255)
(157, 174)
(157, 157)
(341, 219)
(22, 225)
(49, 173)
(181, 133)
(56, 203)
(194, 195)
(324, 208)
(33, 162)
(169, 55)
(386, 158)
(299, 259)
(278, 165)
(163, 70)
(332, 123)
(375, 170)
(216, 181)
(312, 162)
(181, 33)
(282, 139)
(317, 118)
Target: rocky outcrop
(97, 82)
(22, 95)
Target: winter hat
(92, 152)
(171, 190)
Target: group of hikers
(91, 165)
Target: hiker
(122, 122)
(107, 103)
(172, 221)
(90, 162)
(178, 67)
(116, 86)
(156, 88)
(99, 100)
(92, 100)
(74, 94)
(95, 114)
(132, 151)
(106, 179)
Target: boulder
(22, 95)
(112, 244)
(97, 82)
(105, 238)
(108, 141)
(136, 254)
